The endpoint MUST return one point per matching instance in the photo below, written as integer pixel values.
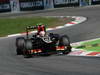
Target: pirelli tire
(28, 48)
(28, 44)
(20, 44)
(65, 41)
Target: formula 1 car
(41, 43)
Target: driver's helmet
(41, 29)
(42, 33)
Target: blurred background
(31, 5)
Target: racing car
(42, 43)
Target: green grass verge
(18, 24)
(91, 46)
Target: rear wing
(29, 28)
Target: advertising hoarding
(4, 5)
(65, 1)
(31, 4)
(61, 3)
(94, 2)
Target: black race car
(42, 43)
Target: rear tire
(28, 48)
(28, 44)
(20, 44)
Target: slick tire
(64, 41)
(20, 44)
(68, 50)
(28, 44)
(28, 48)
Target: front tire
(64, 41)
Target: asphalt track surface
(11, 64)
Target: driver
(41, 30)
